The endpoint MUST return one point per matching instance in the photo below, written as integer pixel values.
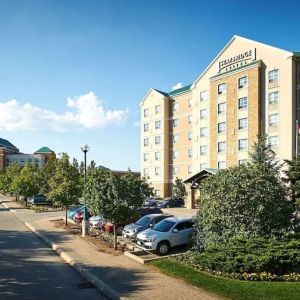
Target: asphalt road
(31, 270)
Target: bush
(257, 256)
(244, 202)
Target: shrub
(241, 257)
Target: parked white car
(170, 232)
(97, 222)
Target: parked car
(97, 222)
(150, 203)
(78, 217)
(140, 212)
(38, 199)
(130, 231)
(171, 202)
(73, 210)
(170, 232)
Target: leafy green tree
(243, 201)
(45, 174)
(179, 190)
(64, 185)
(27, 183)
(11, 173)
(115, 197)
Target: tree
(27, 182)
(11, 174)
(115, 197)
(263, 156)
(179, 188)
(64, 185)
(244, 202)
(46, 174)
(293, 179)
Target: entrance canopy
(195, 179)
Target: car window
(144, 221)
(189, 224)
(164, 226)
(180, 226)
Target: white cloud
(85, 111)
(177, 86)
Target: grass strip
(230, 288)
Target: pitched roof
(163, 93)
(201, 175)
(44, 150)
(181, 90)
(6, 144)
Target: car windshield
(144, 221)
(164, 226)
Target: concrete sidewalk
(118, 277)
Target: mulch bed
(94, 238)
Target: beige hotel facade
(249, 88)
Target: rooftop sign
(237, 60)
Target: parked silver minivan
(170, 232)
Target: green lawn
(229, 288)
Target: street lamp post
(85, 221)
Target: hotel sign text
(241, 57)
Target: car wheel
(163, 248)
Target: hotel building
(249, 88)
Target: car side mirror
(175, 230)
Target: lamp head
(85, 148)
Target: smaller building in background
(10, 154)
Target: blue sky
(74, 72)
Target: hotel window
(243, 123)
(203, 150)
(222, 89)
(157, 109)
(146, 156)
(242, 161)
(146, 127)
(243, 144)
(190, 102)
(273, 98)
(146, 142)
(175, 122)
(203, 96)
(243, 82)
(203, 131)
(273, 120)
(190, 119)
(157, 124)
(146, 172)
(157, 140)
(273, 76)
(175, 107)
(175, 138)
(146, 112)
(203, 166)
(221, 164)
(190, 169)
(221, 147)
(243, 103)
(222, 127)
(203, 113)
(190, 135)
(157, 155)
(175, 154)
(190, 153)
(157, 171)
(273, 141)
(221, 108)
(175, 170)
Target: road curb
(80, 268)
